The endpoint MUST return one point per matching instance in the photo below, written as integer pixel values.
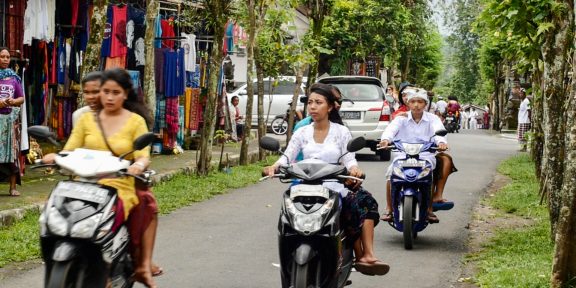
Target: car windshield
(283, 88)
(360, 91)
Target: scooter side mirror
(269, 143)
(356, 144)
(144, 140)
(442, 132)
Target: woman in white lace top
(326, 139)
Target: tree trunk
(92, 56)
(250, 80)
(211, 109)
(149, 75)
(538, 140)
(261, 123)
(299, 76)
(497, 103)
(554, 52)
(563, 207)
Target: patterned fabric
(10, 136)
(357, 207)
(160, 119)
(172, 115)
(5, 73)
(522, 129)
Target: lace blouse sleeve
(349, 160)
(294, 147)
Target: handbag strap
(104, 134)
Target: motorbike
(451, 123)
(314, 250)
(411, 183)
(84, 241)
(279, 125)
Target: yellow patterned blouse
(87, 134)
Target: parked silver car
(277, 96)
(364, 109)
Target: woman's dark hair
(132, 103)
(234, 97)
(451, 97)
(92, 76)
(326, 91)
(4, 48)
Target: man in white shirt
(417, 127)
(91, 93)
(441, 105)
(524, 124)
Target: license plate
(81, 191)
(351, 115)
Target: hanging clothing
(172, 115)
(14, 24)
(188, 44)
(159, 69)
(135, 33)
(107, 40)
(158, 31)
(167, 31)
(118, 45)
(174, 73)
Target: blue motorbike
(411, 183)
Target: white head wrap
(416, 93)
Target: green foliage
(517, 257)
(20, 242)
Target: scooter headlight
(308, 223)
(57, 224)
(86, 227)
(412, 149)
(398, 172)
(424, 172)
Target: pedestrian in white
(466, 119)
(441, 105)
(473, 119)
(523, 119)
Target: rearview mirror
(356, 144)
(441, 132)
(144, 140)
(269, 143)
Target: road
(230, 240)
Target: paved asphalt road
(230, 240)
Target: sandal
(432, 218)
(372, 268)
(387, 217)
(443, 204)
(14, 192)
(157, 271)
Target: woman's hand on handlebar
(269, 171)
(49, 158)
(355, 172)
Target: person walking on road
(473, 119)
(524, 115)
(466, 119)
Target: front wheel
(408, 219)
(69, 274)
(279, 126)
(300, 276)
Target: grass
(517, 257)
(184, 190)
(20, 242)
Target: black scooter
(314, 251)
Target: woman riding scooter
(326, 139)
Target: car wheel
(384, 154)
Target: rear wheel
(279, 126)
(408, 219)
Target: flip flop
(432, 218)
(442, 205)
(374, 268)
(157, 271)
(387, 217)
(14, 192)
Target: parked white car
(277, 96)
(364, 109)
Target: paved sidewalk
(36, 184)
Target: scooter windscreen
(313, 169)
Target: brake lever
(273, 176)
